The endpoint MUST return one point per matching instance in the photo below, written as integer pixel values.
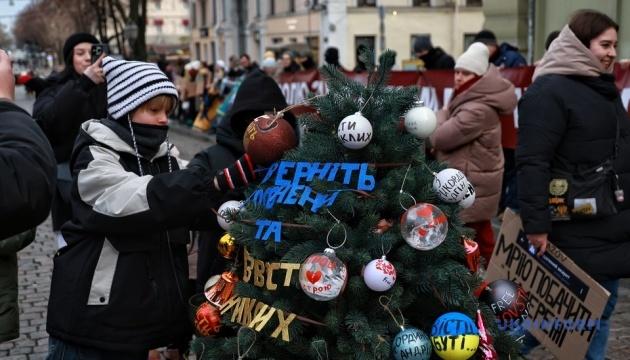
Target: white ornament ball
(469, 198)
(379, 274)
(450, 185)
(224, 209)
(355, 131)
(420, 121)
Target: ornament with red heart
(323, 276)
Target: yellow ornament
(455, 336)
(227, 246)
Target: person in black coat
(69, 98)
(571, 119)
(434, 58)
(257, 95)
(27, 163)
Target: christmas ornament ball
(227, 246)
(379, 274)
(469, 197)
(420, 121)
(411, 344)
(207, 320)
(267, 138)
(455, 336)
(508, 300)
(355, 131)
(424, 226)
(225, 208)
(450, 185)
(323, 276)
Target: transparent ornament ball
(323, 276)
(424, 226)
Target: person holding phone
(69, 98)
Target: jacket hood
(101, 133)
(568, 56)
(491, 89)
(257, 94)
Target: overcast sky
(8, 12)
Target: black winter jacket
(438, 59)
(569, 121)
(257, 94)
(65, 103)
(119, 284)
(27, 172)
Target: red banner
(435, 88)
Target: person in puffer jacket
(468, 136)
(118, 286)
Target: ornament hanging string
(345, 233)
(319, 355)
(238, 342)
(383, 246)
(403, 192)
(384, 301)
(281, 113)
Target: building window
(197, 51)
(368, 42)
(193, 15)
(415, 37)
(202, 9)
(213, 45)
(158, 4)
(469, 38)
(292, 6)
(257, 8)
(364, 3)
(223, 12)
(272, 7)
(276, 40)
(424, 3)
(474, 3)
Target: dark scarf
(148, 137)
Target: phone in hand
(97, 50)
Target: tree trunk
(138, 15)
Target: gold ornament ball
(227, 246)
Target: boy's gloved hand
(237, 175)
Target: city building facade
(221, 28)
(168, 25)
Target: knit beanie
(73, 41)
(475, 59)
(132, 83)
(486, 36)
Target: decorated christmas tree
(351, 246)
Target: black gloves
(236, 175)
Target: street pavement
(35, 269)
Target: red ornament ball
(267, 138)
(207, 320)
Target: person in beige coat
(468, 136)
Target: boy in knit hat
(118, 286)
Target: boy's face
(151, 115)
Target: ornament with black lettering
(469, 197)
(411, 344)
(508, 301)
(450, 185)
(323, 276)
(228, 207)
(355, 131)
(420, 121)
(486, 348)
(454, 336)
(424, 226)
(379, 274)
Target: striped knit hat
(132, 83)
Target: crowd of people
(98, 154)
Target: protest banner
(565, 303)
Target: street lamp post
(131, 34)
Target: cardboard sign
(565, 303)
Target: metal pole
(531, 22)
(381, 15)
